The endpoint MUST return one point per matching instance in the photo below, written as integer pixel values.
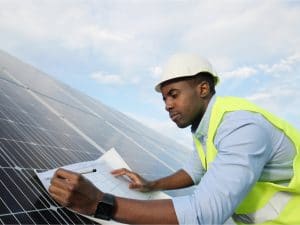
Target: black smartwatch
(105, 207)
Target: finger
(59, 199)
(59, 195)
(56, 190)
(71, 178)
(133, 177)
(127, 174)
(135, 186)
(59, 183)
(116, 171)
(65, 174)
(120, 172)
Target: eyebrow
(170, 92)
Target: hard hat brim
(158, 86)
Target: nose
(168, 105)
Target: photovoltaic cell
(45, 124)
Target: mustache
(173, 113)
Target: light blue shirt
(249, 149)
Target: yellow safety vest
(262, 192)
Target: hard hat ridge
(185, 65)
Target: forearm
(144, 212)
(179, 179)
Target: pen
(80, 172)
(87, 171)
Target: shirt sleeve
(193, 167)
(244, 147)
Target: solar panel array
(45, 124)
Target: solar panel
(45, 124)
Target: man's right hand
(136, 181)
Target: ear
(203, 89)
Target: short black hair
(195, 80)
(204, 76)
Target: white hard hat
(185, 65)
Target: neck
(196, 124)
(199, 117)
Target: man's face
(183, 102)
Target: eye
(174, 94)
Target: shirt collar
(202, 128)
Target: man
(246, 165)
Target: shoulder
(242, 117)
(244, 124)
(245, 135)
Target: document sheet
(103, 179)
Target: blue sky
(114, 50)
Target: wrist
(98, 198)
(105, 207)
(151, 185)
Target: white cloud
(260, 96)
(242, 31)
(243, 72)
(74, 26)
(107, 78)
(134, 34)
(285, 65)
(280, 100)
(134, 37)
(280, 92)
(156, 71)
(96, 33)
(113, 79)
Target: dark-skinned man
(246, 162)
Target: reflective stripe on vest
(263, 193)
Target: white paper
(104, 180)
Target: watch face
(103, 211)
(105, 207)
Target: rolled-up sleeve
(243, 150)
(193, 167)
(184, 209)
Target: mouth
(174, 116)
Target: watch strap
(105, 207)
